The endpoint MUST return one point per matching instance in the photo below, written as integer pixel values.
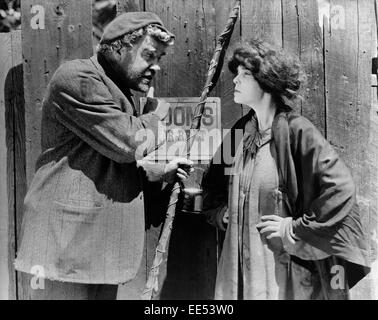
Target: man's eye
(150, 56)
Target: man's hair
(277, 71)
(129, 39)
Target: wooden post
(311, 56)
(262, 19)
(191, 262)
(348, 93)
(52, 31)
(11, 123)
(129, 6)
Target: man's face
(140, 63)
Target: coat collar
(101, 66)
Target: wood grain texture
(365, 197)
(290, 26)
(11, 104)
(262, 19)
(373, 159)
(19, 167)
(67, 35)
(290, 33)
(224, 89)
(311, 56)
(183, 75)
(6, 164)
(348, 94)
(129, 6)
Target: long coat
(83, 215)
(318, 192)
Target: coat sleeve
(328, 187)
(85, 106)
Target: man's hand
(178, 168)
(159, 106)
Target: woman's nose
(155, 67)
(235, 80)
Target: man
(83, 228)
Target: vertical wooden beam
(348, 65)
(6, 166)
(224, 89)
(290, 32)
(262, 19)
(290, 26)
(373, 158)
(365, 196)
(52, 31)
(11, 105)
(18, 100)
(129, 6)
(191, 264)
(311, 55)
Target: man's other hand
(178, 168)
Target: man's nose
(155, 67)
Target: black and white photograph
(202, 151)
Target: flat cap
(129, 22)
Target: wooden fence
(340, 99)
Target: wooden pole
(212, 77)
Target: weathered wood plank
(290, 32)
(262, 19)
(183, 74)
(363, 106)
(347, 61)
(11, 100)
(18, 106)
(6, 165)
(311, 56)
(129, 6)
(52, 32)
(373, 160)
(224, 89)
(290, 25)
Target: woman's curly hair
(276, 71)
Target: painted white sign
(207, 140)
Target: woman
(288, 201)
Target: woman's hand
(271, 224)
(278, 227)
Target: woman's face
(247, 89)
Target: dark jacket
(84, 217)
(317, 188)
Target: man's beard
(139, 82)
(143, 83)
